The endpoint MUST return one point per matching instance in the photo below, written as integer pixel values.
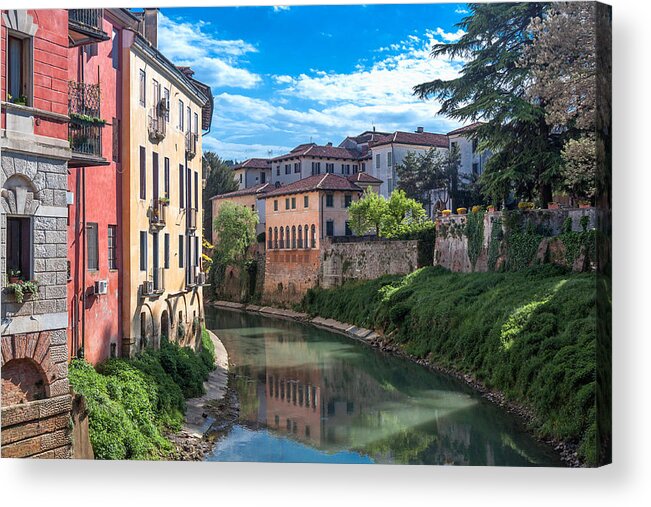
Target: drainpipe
(83, 253)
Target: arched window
(307, 243)
(270, 239)
(282, 237)
(276, 237)
(293, 236)
(300, 236)
(313, 236)
(287, 236)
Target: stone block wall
(366, 260)
(289, 274)
(451, 249)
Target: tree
(235, 231)
(219, 180)
(492, 87)
(366, 214)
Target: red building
(94, 94)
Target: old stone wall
(535, 236)
(289, 274)
(366, 260)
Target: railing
(88, 18)
(192, 218)
(85, 138)
(157, 123)
(191, 144)
(157, 212)
(158, 280)
(84, 99)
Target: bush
(131, 402)
(529, 334)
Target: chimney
(329, 144)
(373, 128)
(420, 130)
(150, 17)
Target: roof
(467, 128)
(255, 189)
(313, 150)
(253, 163)
(368, 136)
(363, 178)
(416, 138)
(327, 181)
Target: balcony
(157, 125)
(192, 219)
(158, 281)
(196, 277)
(85, 27)
(157, 212)
(86, 126)
(191, 144)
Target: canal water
(309, 395)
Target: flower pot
(446, 212)
(553, 205)
(462, 211)
(584, 205)
(491, 209)
(14, 279)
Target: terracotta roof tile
(467, 128)
(327, 181)
(416, 138)
(254, 163)
(255, 189)
(363, 178)
(313, 150)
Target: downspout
(84, 246)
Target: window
(389, 159)
(348, 232)
(19, 246)
(287, 203)
(330, 228)
(180, 250)
(166, 96)
(181, 186)
(91, 50)
(143, 173)
(277, 170)
(282, 237)
(115, 124)
(189, 189)
(454, 145)
(330, 201)
(313, 236)
(306, 201)
(345, 168)
(475, 168)
(288, 168)
(270, 244)
(113, 247)
(19, 70)
(307, 244)
(196, 190)
(276, 237)
(115, 49)
(143, 88)
(293, 236)
(189, 115)
(195, 124)
(377, 161)
(154, 173)
(196, 250)
(240, 177)
(474, 145)
(293, 202)
(143, 251)
(297, 167)
(355, 168)
(155, 86)
(181, 108)
(275, 204)
(363, 167)
(263, 177)
(300, 236)
(330, 168)
(166, 251)
(347, 200)
(316, 167)
(166, 180)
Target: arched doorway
(164, 326)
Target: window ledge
(41, 113)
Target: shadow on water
(309, 395)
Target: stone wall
(366, 260)
(289, 274)
(451, 249)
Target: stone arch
(23, 380)
(293, 236)
(165, 324)
(307, 242)
(18, 195)
(270, 239)
(20, 21)
(300, 236)
(282, 237)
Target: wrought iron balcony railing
(85, 139)
(85, 127)
(157, 125)
(85, 26)
(157, 212)
(191, 144)
(84, 99)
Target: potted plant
(525, 205)
(584, 204)
(477, 208)
(14, 275)
(553, 205)
(462, 211)
(491, 208)
(164, 201)
(22, 287)
(446, 212)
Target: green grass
(529, 334)
(131, 402)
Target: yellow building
(161, 195)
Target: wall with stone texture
(451, 246)
(366, 260)
(289, 274)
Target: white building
(251, 172)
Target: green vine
(22, 287)
(497, 235)
(522, 240)
(475, 233)
(84, 118)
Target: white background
(626, 482)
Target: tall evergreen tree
(219, 180)
(492, 87)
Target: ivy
(522, 240)
(475, 233)
(497, 235)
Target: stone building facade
(35, 151)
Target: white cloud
(279, 8)
(450, 36)
(462, 11)
(240, 151)
(215, 60)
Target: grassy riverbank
(132, 402)
(530, 335)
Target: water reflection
(311, 395)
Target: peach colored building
(252, 197)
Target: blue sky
(282, 76)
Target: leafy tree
(492, 87)
(235, 231)
(366, 214)
(219, 180)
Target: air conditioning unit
(147, 287)
(201, 278)
(100, 287)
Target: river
(310, 395)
